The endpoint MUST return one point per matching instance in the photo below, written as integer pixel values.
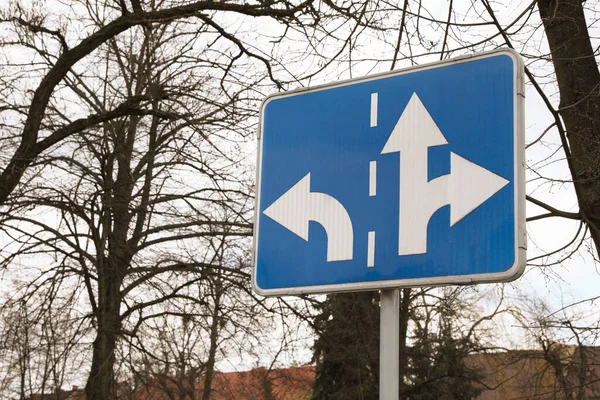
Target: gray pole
(389, 345)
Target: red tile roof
(294, 383)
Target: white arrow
(296, 207)
(466, 187)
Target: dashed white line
(371, 249)
(372, 185)
(372, 178)
(373, 110)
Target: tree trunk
(113, 267)
(579, 85)
(111, 270)
(101, 378)
(214, 338)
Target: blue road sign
(408, 178)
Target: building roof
(294, 383)
(535, 374)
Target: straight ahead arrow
(466, 187)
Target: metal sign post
(389, 345)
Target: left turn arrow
(296, 207)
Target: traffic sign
(407, 178)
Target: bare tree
(130, 172)
(57, 50)
(40, 345)
(566, 340)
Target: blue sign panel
(409, 178)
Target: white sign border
(518, 267)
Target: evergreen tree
(438, 369)
(347, 349)
(433, 360)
